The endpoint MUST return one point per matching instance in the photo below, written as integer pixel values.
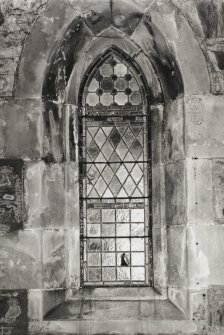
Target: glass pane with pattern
(115, 178)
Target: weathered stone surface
(51, 299)
(199, 188)
(152, 42)
(158, 196)
(33, 191)
(179, 297)
(65, 56)
(190, 12)
(40, 45)
(56, 44)
(2, 137)
(214, 50)
(157, 114)
(17, 18)
(45, 195)
(114, 39)
(72, 195)
(20, 260)
(216, 308)
(126, 15)
(53, 132)
(35, 305)
(218, 191)
(73, 256)
(97, 14)
(203, 126)
(54, 266)
(53, 196)
(160, 258)
(6, 85)
(208, 16)
(173, 136)
(170, 32)
(175, 210)
(177, 256)
(154, 85)
(205, 245)
(11, 195)
(198, 312)
(13, 312)
(22, 130)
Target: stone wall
(42, 44)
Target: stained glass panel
(114, 177)
(113, 83)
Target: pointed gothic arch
(115, 175)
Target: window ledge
(118, 294)
(108, 310)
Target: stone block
(51, 299)
(114, 39)
(160, 258)
(54, 266)
(175, 206)
(38, 47)
(2, 138)
(154, 46)
(203, 126)
(73, 257)
(216, 308)
(72, 195)
(65, 56)
(35, 305)
(126, 15)
(45, 195)
(157, 134)
(198, 309)
(53, 196)
(13, 312)
(176, 31)
(177, 256)
(12, 195)
(205, 245)
(97, 14)
(151, 78)
(6, 85)
(20, 260)
(190, 12)
(208, 15)
(158, 196)
(199, 188)
(79, 69)
(23, 127)
(53, 132)
(173, 136)
(33, 193)
(7, 65)
(179, 297)
(218, 191)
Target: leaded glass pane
(114, 177)
(109, 274)
(113, 83)
(137, 273)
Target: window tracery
(115, 177)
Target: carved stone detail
(11, 196)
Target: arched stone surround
(50, 72)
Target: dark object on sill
(124, 260)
